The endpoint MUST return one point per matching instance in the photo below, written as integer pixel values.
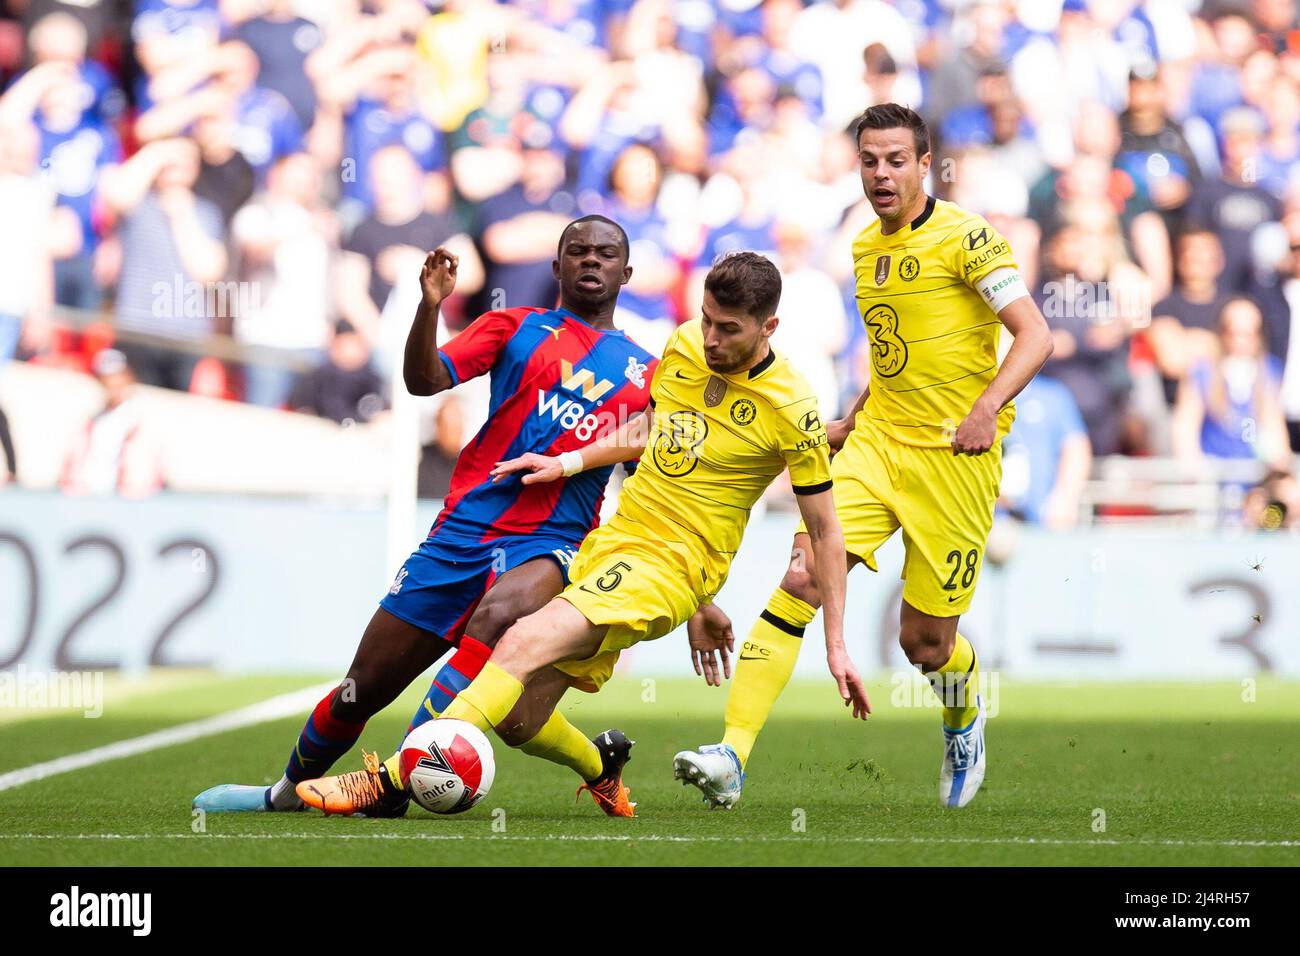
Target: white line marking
(273, 709)
(648, 838)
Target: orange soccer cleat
(607, 789)
(369, 792)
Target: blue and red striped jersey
(557, 385)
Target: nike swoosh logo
(679, 374)
(951, 599)
(752, 658)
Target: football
(448, 765)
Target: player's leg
(391, 654)
(947, 511)
(512, 595)
(558, 632)
(763, 669)
(938, 650)
(538, 729)
(768, 655)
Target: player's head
(591, 264)
(738, 315)
(893, 156)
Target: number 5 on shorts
(612, 578)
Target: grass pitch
(1116, 774)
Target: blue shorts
(443, 580)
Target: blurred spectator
(1046, 458)
(282, 242)
(61, 37)
(367, 102)
(78, 149)
(1229, 407)
(26, 291)
(813, 326)
(521, 229)
(282, 41)
(832, 35)
(10, 472)
(438, 457)
(226, 178)
(223, 83)
(1234, 205)
(1081, 300)
(394, 237)
(172, 248)
(1153, 150)
(344, 387)
(1185, 325)
(116, 452)
(955, 80)
(645, 311)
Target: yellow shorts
(636, 584)
(943, 503)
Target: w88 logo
(570, 413)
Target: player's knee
(491, 619)
(798, 582)
(516, 651)
(926, 647)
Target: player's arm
(625, 443)
(422, 370)
(1007, 296)
(830, 569)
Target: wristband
(570, 462)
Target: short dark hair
(595, 217)
(747, 282)
(895, 116)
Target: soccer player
(498, 550)
(728, 415)
(920, 451)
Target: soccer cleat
(237, 798)
(715, 770)
(607, 789)
(962, 770)
(366, 793)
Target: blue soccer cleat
(714, 770)
(962, 770)
(237, 798)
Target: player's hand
(708, 632)
(852, 691)
(977, 432)
(438, 275)
(837, 432)
(536, 468)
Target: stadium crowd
(270, 170)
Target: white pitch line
(272, 709)
(650, 838)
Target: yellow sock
(958, 685)
(766, 661)
(487, 700)
(560, 742)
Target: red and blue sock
(455, 675)
(324, 739)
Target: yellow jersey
(934, 340)
(716, 443)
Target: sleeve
(977, 249)
(805, 448)
(475, 350)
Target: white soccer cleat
(962, 770)
(715, 770)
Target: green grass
(1187, 774)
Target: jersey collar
(926, 213)
(762, 366)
